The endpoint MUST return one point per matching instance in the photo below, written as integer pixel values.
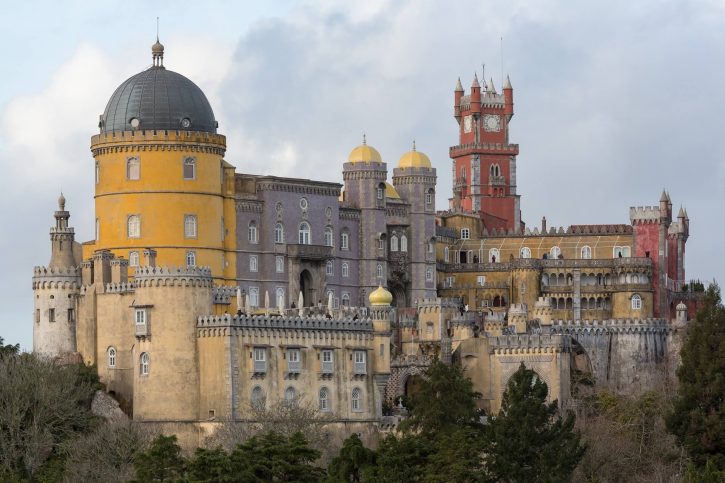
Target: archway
(399, 300)
(306, 287)
(413, 385)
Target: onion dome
(364, 154)
(414, 159)
(61, 202)
(380, 296)
(390, 191)
(681, 306)
(158, 99)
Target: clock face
(492, 122)
(467, 121)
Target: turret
(475, 95)
(508, 98)
(457, 94)
(62, 238)
(381, 312)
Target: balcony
(309, 252)
(497, 181)
(142, 330)
(294, 367)
(328, 367)
(472, 148)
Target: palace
(207, 292)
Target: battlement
(437, 303)
(157, 135)
(529, 344)
(644, 213)
(610, 325)
(222, 294)
(56, 272)
(120, 288)
(149, 276)
(284, 323)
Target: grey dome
(160, 100)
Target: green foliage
(353, 459)
(8, 350)
(698, 416)
(161, 462)
(707, 474)
(528, 441)
(399, 459)
(210, 465)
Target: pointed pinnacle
(664, 195)
(459, 86)
(493, 88)
(681, 214)
(475, 81)
(507, 85)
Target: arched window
(555, 252)
(134, 226)
(290, 394)
(379, 272)
(133, 260)
(403, 243)
(324, 400)
(429, 196)
(329, 268)
(190, 226)
(190, 259)
(394, 243)
(258, 399)
(356, 400)
(98, 173)
(446, 254)
(463, 173)
(344, 240)
(525, 252)
(431, 247)
(304, 233)
(133, 168)
(280, 297)
(252, 232)
(189, 168)
(144, 366)
(381, 191)
(636, 302)
(279, 233)
(345, 269)
(465, 233)
(586, 252)
(345, 299)
(253, 263)
(329, 236)
(494, 255)
(429, 274)
(111, 357)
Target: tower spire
(157, 50)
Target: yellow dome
(380, 296)
(414, 159)
(390, 191)
(364, 154)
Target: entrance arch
(307, 288)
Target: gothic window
(555, 252)
(360, 366)
(280, 297)
(253, 263)
(586, 252)
(189, 168)
(111, 357)
(345, 299)
(133, 169)
(279, 264)
(403, 243)
(328, 236)
(465, 234)
(345, 269)
(429, 198)
(446, 254)
(324, 399)
(394, 243)
(189, 226)
(379, 272)
(254, 296)
(329, 268)
(494, 255)
(431, 246)
(290, 394)
(636, 302)
(258, 399)
(279, 233)
(133, 259)
(344, 240)
(144, 366)
(525, 252)
(252, 232)
(190, 259)
(356, 400)
(134, 226)
(304, 233)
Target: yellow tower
(161, 181)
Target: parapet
(610, 326)
(529, 344)
(56, 277)
(644, 214)
(222, 294)
(120, 287)
(173, 276)
(319, 323)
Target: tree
(353, 459)
(8, 350)
(698, 416)
(528, 441)
(399, 459)
(161, 462)
(210, 465)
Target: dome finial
(61, 202)
(365, 141)
(157, 50)
(413, 144)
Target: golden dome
(414, 159)
(380, 296)
(364, 154)
(390, 191)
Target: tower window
(98, 172)
(356, 400)
(344, 240)
(279, 233)
(403, 243)
(111, 357)
(98, 229)
(394, 243)
(145, 363)
(133, 258)
(465, 233)
(279, 264)
(328, 362)
(446, 254)
(381, 192)
(133, 168)
(134, 226)
(359, 359)
(429, 274)
(254, 296)
(304, 233)
(71, 316)
(51, 315)
(345, 269)
(429, 197)
(189, 168)
(636, 302)
(280, 297)
(190, 226)
(329, 268)
(345, 299)
(379, 272)
(324, 399)
(328, 236)
(253, 266)
(252, 232)
(191, 259)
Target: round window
(134, 122)
(186, 122)
(303, 203)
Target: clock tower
(484, 163)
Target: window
(450, 281)
(403, 243)
(623, 252)
(254, 296)
(525, 252)
(328, 236)
(258, 400)
(71, 316)
(344, 241)
(304, 233)
(586, 252)
(345, 269)
(51, 315)
(134, 226)
(431, 247)
(280, 297)
(133, 169)
(98, 173)
(463, 173)
(465, 234)
(555, 252)
(144, 366)
(359, 359)
(379, 271)
(394, 243)
(328, 362)
(260, 359)
(290, 394)
(356, 400)
(345, 299)
(329, 268)
(37, 316)
(133, 258)
(189, 226)
(279, 233)
(429, 328)
(98, 229)
(253, 263)
(224, 230)
(252, 232)
(381, 192)
(191, 258)
(303, 203)
(279, 264)
(111, 357)
(429, 274)
(636, 302)
(381, 243)
(481, 280)
(429, 197)
(293, 361)
(324, 399)
(189, 168)
(494, 255)
(140, 315)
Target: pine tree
(161, 462)
(353, 459)
(528, 441)
(698, 416)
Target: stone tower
(381, 314)
(484, 163)
(55, 290)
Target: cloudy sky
(614, 101)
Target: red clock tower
(484, 163)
